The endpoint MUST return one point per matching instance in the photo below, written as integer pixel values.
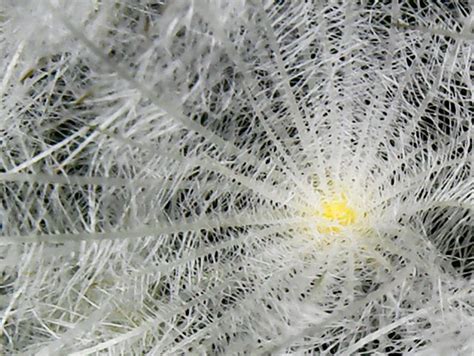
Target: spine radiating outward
(236, 177)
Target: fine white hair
(167, 170)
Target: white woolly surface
(164, 170)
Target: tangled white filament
(236, 177)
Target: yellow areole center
(338, 214)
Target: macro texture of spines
(236, 177)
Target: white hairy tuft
(236, 177)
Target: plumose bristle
(236, 177)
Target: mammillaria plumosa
(236, 177)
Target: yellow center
(338, 214)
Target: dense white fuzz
(236, 177)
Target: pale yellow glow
(337, 213)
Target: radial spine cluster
(236, 177)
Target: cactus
(236, 177)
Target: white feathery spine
(166, 169)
